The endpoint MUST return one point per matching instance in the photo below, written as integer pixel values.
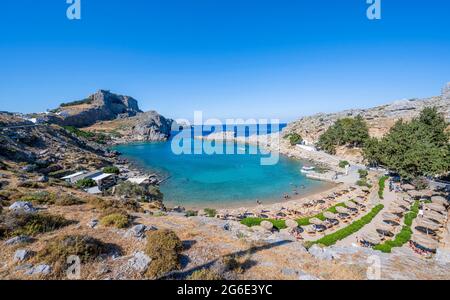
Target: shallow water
(201, 180)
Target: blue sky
(229, 58)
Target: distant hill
(380, 119)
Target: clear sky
(229, 58)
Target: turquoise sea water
(201, 180)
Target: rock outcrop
(100, 106)
(380, 119)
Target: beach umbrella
(425, 242)
(351, 204)
(390, 217)
(402, 203)
(342, 210)
(440, 200)
(309, 229)
(408, 187)
(371, 238)
(291, 224)
(435, 216)
(330, 215)
(396, 209)
(415, 194)
(427, 224)
(435, 207)
(316, 221)
(385, 229)
(365, 189)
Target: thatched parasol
(432, 215)
(371, 238)
(395, 209)
(415, 194)
(291, 224)
(427, 224)
(359, 200)
(385, 229)
(403, 203)
(408, 187)
(309, 229)
(440, 200)
(390, 217)
(425, 242)
(436, 207)
(316, 221)
(330, 215)
(351, 204)
(342, 210)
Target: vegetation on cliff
(412, 149)
(351, 132)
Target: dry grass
(15, 224)
(118, 220)
(205, 274)
(58, 250)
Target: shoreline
(328, 186)
(249, 205)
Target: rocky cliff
(113, 114)
(100, 106)
(380, 119)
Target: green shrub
(343, 164)
(68, 200)
(332, 238)
(210, 212)
(79, 102)
(42, 197)
(363, 182)
(363, 173)
(204, 274)
(118, 220)
(79, 133)
(15, 224)
(191, 213)
(164, 248)
(111, 170)
(56, 251)
(294, 139)
(382, 185)
(86, 183)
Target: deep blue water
(201, 180)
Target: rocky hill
(100, 106)
(380, 119)
(109, 113)
(47, 148)
(148, 126)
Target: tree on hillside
(418, 148)
(352, 132)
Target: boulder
(22, 254)
(22, 239)
(39, 270)
(92, 223)
(267, 225)
(22, 206)
(320, 253)
(139, 262)
(139, 231)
